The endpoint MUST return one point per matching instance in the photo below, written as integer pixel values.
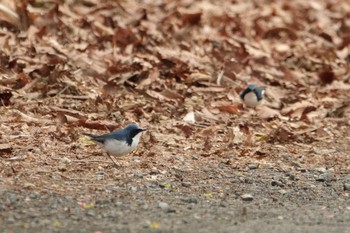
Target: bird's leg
(115, 163)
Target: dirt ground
(195, 194)
(207, 162)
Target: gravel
(141, 205)
(247, 197)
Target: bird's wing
(259, 93)
(116, 135)
(243, 93)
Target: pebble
(321, 169)
(190, 200)
(277, 183)
(62, 167)
(100, 175)
(222, 204)
(248, 181)
(252, 166)
(301, 169)
(138, 175)
(66, 160)
(228, 156)
(321, 178)
(163, 205)
(79, 156)
(11, 219)
(56, 177)
(292, 176)
(154, 171)
(186, 184)
(346, 187)
(102, 202)
(144, 207)
(247, 197)
(283, 191)
(29, 185)
(325, 177)
(90, 213)
(180, 158)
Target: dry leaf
(190, 118)
(232, 109)
(298, 109)
(265, 112)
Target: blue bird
(119, 142)
(252, 95)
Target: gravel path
(300, 203)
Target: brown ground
(207, 163)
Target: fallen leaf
(191, 18)
(265, 112)
(190, 117)
(5, 148)
(165, 95)
(281, 32)
(298, 109)
(282, 135)
(326, 76)
(154, 225)
(188, 130)
(5, 97)
(9, 15)
(232, 109)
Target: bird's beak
(143, 129)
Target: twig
(69, 178)
(80, 97)
(70, 112)
(17, 158)
(90, 161)
(220, 76)
(26, 117)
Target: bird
(252, 95)
(119, 142)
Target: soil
(195, 194)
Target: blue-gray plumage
(252, 95)
(119, 142)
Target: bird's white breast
(120, 148)
(251, 100)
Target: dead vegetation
(176, 68)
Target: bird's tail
(94, 137)
(91, 136)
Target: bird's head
(133, 129)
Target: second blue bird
(252, 95)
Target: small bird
(252, 95)
(119, 142)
